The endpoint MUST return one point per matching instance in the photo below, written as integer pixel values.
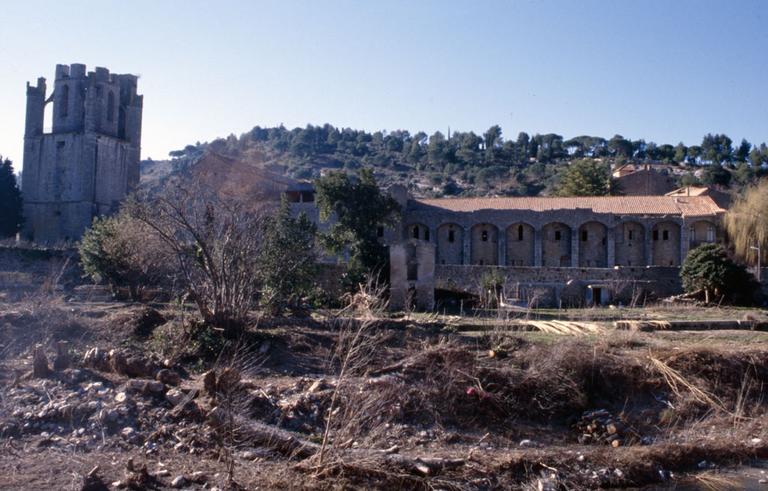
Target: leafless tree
(215, 243)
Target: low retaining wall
(550, 286)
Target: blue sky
(666, 71)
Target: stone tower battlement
(89, 159)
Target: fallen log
(289, 444)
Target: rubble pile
(600, 427)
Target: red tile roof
(620, 205)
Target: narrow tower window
(111, 106)
(451, 236)
(519, 232)
(64, 101)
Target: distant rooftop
(619, 205)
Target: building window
(629, 235)
(379, 231)
(484, 236)
(307, 197)
(426, 234)
(583, 235)
(665, 235)
(710, 233)
(519, 232)
(415, 232)
(655, 235)
(413, 272)
(557, 235)
(451, 236)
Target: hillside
(461, 164)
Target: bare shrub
(215, 243)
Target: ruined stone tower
(89, 160)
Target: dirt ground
(135, 400)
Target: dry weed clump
(39, 319)
(710, 381)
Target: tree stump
(40, 367)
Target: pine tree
(11, 218)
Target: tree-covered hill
(465, 163)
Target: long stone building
(578, 250)
(542, 250)
(88, 161)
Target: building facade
(580, 250)
(88, 161)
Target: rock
(526, 443)
(146, 387)
(128, 432)
(40, 367)
(163, 473)
(146, 321)
(616, 443)
(130, 365)
(175, 396)
(168, 377)
(317, 385)
(118, 484)
(547, 484)
(247, 455)
(179, 482)
(199, 477)
(96, 358)
(62, 360)
(121, 397)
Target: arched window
(519, 232)
(64, 101)
(415, 231)
(484, 236)
(111, 106)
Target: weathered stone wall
(90, 160)
(450, 244)
(666, 244)
(593, 247)
(702, 232)
(564, 286)
(521, 245)
(556, 245)
(412, 269)
(630, 244)
(484, 245)
(645, 182)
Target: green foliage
(716, 174)
(491, 286)
(112, 251)
(399, 155)
(717, 148)
(708, 268)
(287, 260)
(359, 207)
(11, 218)
(585, 177)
